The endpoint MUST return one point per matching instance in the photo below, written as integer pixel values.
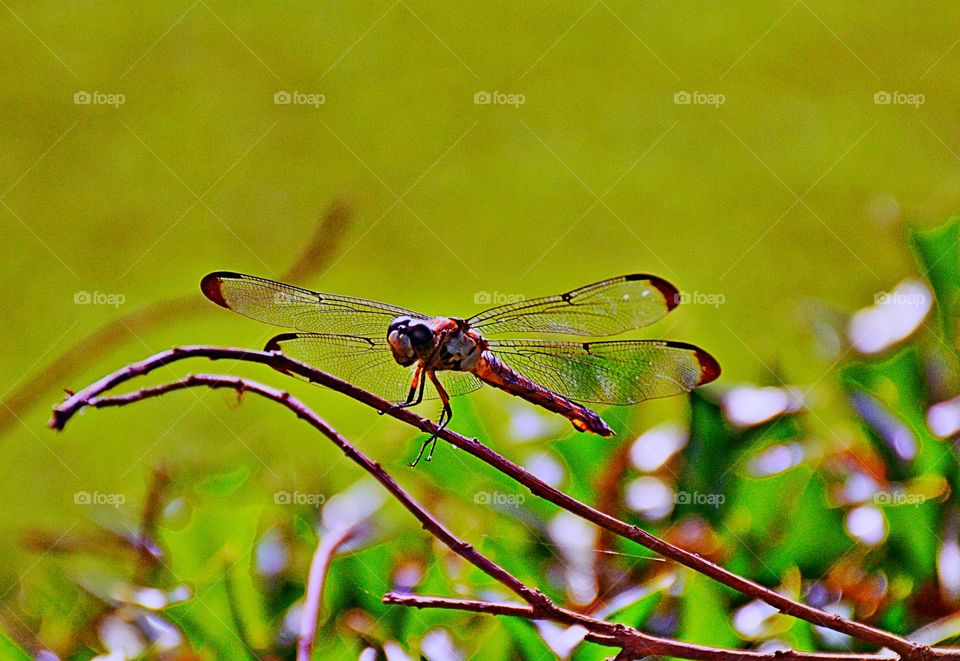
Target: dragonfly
(392, 352)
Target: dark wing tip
(709, 367)
(273, 344)
(670, 293)
(211, 286)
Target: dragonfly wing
(623, 372)
(457, 383)
(284, 305)
(604, 308)
(366, 363)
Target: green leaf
(585, 458)
(305, 531)
(897, 384)
(760, 512)
(938, 250)
(222, 485)
(709, 458)
(894, 620)
(913, 539)
(214, 554)
(526, 638)
(636, 614)
(704, 617)
(815, 535)
(11, 651)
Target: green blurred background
(797, 187)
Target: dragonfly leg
(420, 454)
(446, 414)
(414, 397)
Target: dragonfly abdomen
(498, 374)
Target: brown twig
(147, 550)
(88, 397)
(538, 606)
(651, 645)
(430, 524)
(609, 490)
(324, 244)
(316, 580)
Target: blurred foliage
(849, 500)
(782, 501)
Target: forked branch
(542, 607)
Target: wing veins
(604, 308)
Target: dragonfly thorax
(441, 343)
(459, 348)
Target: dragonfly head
(410, 339)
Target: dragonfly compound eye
(398, 324)
(420, 335)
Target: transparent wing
(623, 372)
(292, 307)
(604, 308)
(365, 362)
(456, 383)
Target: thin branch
(324, 244)
(431, 524)
(148, 551)
(316, 580)
(75, 402)
(652, 645)
(539, 605)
